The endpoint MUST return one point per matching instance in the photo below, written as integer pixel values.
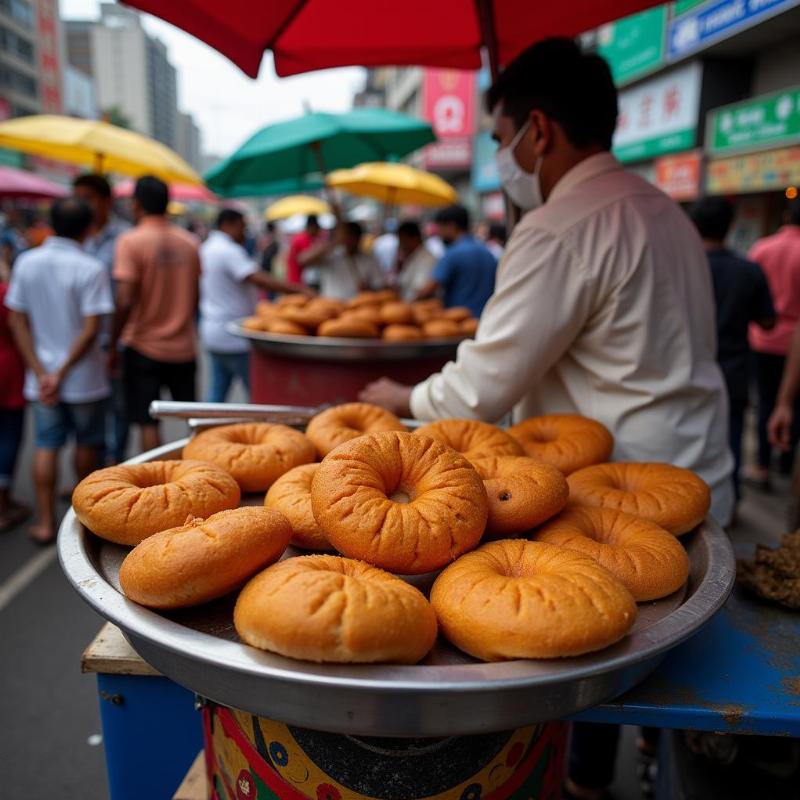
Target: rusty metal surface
(739, 674)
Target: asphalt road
(50, 744)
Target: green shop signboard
(634, 46)
(758, 124)
(660, 115)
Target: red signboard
(47, 44)
(679, 176)
(448, 103)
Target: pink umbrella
(18, 183)
(182, 192)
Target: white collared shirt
(603, 306)
(225, 295)
(57, 285)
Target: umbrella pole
(98, 163)
(486, 21)
(389, 206)
(316, 149)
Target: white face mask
(523, 188)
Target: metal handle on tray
(160, 409)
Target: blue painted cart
(739, 674)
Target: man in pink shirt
(157, 270)
(779, 257)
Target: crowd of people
(100, 344)
(99, 316)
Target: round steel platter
(328, 348)
(448, 694)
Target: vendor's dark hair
(712, 216)
(228, 215)
(70, 217)
(409, 228)
(311, 219)
(152, 194)
(556, 77)
(458, 215)
(94, 183)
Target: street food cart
(451, 726)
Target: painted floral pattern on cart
(273, 760)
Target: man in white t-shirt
(228, 291)
(416, 261)
(344, 269)
(57, 298)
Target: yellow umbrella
(394, 184)
(296, 204)
(97, 145)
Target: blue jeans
(54, 424)
(225, 367)
(115, 446)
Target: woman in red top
(12, 411)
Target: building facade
(188, 142)
(19, 65)
(131, 70)
(447, 99)
(162, 92)
(79, 97)
(710, 102)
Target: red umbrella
(181, 192)
(18, 183)
(305, 35)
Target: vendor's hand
(389, 394)
(779, 427)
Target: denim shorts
(54, 424)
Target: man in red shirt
(779, 257)
(301, 243)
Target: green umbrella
(292, 156)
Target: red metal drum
(310, 371)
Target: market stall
(297, 728)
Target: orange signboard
(757, 172)
(679, 176)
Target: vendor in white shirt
(229, 284)
(603, 303)
(344, 269)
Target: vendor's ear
(542, 128)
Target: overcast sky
(227, 105)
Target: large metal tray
(328, 348)
(448, 694)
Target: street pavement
(50, 745)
